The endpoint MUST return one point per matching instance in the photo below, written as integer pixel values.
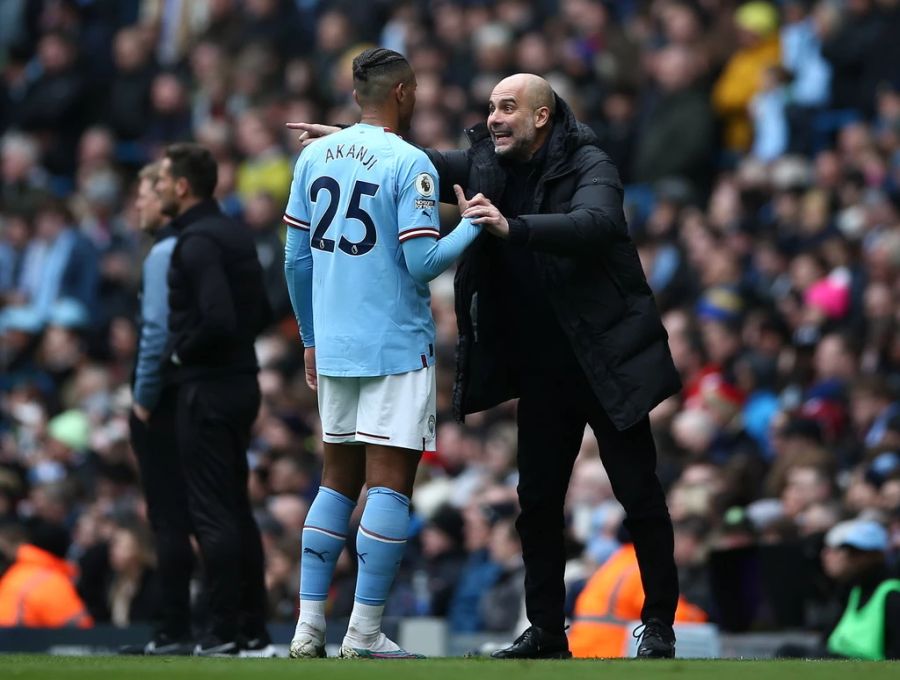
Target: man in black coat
(557, 312)
(217, 306)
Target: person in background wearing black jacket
(557, 311)
(153, 434)
(217, 307)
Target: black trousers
(556, 402)
(214, 421)
(155, 446)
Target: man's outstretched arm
(452, 166)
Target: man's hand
(309, 361)
(481, 211)
(462, 202)
(141, 413)
(312, 131)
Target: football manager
(553, 308)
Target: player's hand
(309, 361)
(481, 211)
(141, 413)
(312, 131)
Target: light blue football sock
(324, 535)
(380, 543)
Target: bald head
(533, 89)
(520, 115)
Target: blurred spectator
(501, 603)
(479, 573)
(24, 183)
(282, 579)
(770, 117)
(759, 49)
(37, 590)
(801, 47)
(263, 215)
(610, 601)
(848, 38)
(677, 133)
(119, 582)
(869, 627)
(53, 107)
(802, 59)
(265, 167)
(127, 110)
(59, 264)
(443, 557)
(170, 117)
(872, 407)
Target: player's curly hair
(377, 70)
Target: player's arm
(298, 272)
(298, 261)
(426, 254)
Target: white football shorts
(390, 410)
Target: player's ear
(356, 99)
(401, 91)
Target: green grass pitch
(91, 668)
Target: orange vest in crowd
(37, 592)
(610, 601)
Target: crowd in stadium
(760, 149)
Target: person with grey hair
(23, 183)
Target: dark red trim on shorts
(424, 360)
(342, 434)
(374, 436)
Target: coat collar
(207, 208)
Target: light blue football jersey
(360, 193)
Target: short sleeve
(296, 214)
(417, 210)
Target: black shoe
(657, 640)
(259, 647)
(160, 645)
(536, 643)
(213, 646)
